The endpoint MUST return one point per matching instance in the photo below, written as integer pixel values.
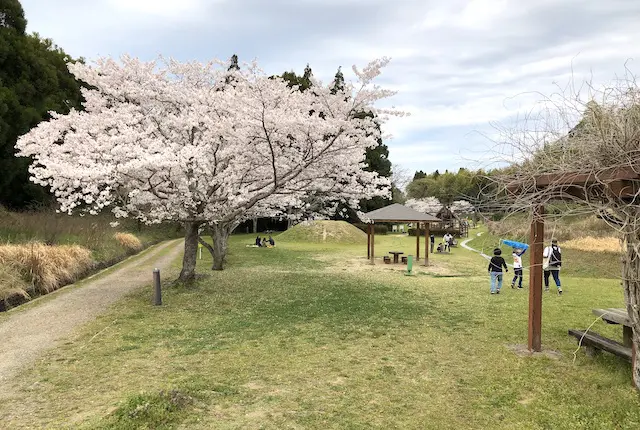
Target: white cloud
(159, 8)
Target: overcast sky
(459, 65)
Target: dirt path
(26, 334)
(487, 257)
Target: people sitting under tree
(271, 241)
(264, 242)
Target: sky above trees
(459, 65)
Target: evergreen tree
(420, 175)
(233, 66)
(338, 81)
(34, 80)
(12, 16)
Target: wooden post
(426, 243)
(535, 279)
(369, 241)
(373, 243)
(417, 242)
(157, 291)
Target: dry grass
(129, 241)
(600, 244)
(561, 229)
(46, 268)
(11, 283)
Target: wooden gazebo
(623, 183)
(401, 214)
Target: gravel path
(27, 333)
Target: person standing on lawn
(552, 264)
(495, 270)
(517, 267)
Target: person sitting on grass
(258, 241)
(495, 270)
(440, 247)
(264, 242)
(517, 267)
(271, 241)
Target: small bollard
(409, 265)
(157, 292)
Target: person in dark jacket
(258, 242)
(495, 270)
(552, 263)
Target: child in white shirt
(517, 267)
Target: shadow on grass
(224, 313)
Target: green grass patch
(310, 336)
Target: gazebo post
(417, 242)
(369, 241)
(535, 279)
(373, 243)
(426, 243)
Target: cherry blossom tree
(461, 207)
(428, 205)
(205, 144)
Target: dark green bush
(378, 228)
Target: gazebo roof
(399, 213)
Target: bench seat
(594, 342)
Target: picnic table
(618, 316)
(595, 342)
(395, 256)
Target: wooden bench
(594, 343)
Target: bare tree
(582, 146)
(400, 176)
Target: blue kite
(514, 244)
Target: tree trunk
(220, 235)
(255, 225)
(631, 285)
(188, 272)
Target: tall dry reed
(46, 268)
(128, 241)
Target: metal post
(157, 292)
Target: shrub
(12, 287)
(47, 268)
(129, 241)
(377, 228)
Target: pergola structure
(622, 183)
(401, 214)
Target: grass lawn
(311, 336)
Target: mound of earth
(324, 232)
